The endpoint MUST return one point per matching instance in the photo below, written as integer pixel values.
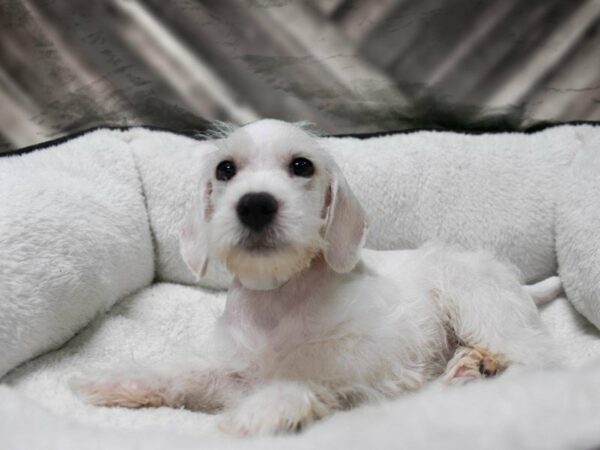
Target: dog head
(269, 201)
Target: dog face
(269, 201)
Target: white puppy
(313, 323)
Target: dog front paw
(275, 409)
(122, 390)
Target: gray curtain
(349, 66)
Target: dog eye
(225, 170)
(302, 167)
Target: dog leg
(471, 363)
(485, 306)
(195, 389)
(279, 407)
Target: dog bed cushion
(88, 221)
(515, 194)
(74, 239)
(578, 228)
(494, 191)
(166, 322)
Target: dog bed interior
(91, 278)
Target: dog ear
(346, 224)
(194, 239)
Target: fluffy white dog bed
(90, 225)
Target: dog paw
(275, 409)
(121, 391)
(471, 363)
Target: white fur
(545, 291)
(311, 328)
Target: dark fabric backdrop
(346, 65)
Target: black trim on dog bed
(68, 137)
(474, 131)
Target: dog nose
(256, 210)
